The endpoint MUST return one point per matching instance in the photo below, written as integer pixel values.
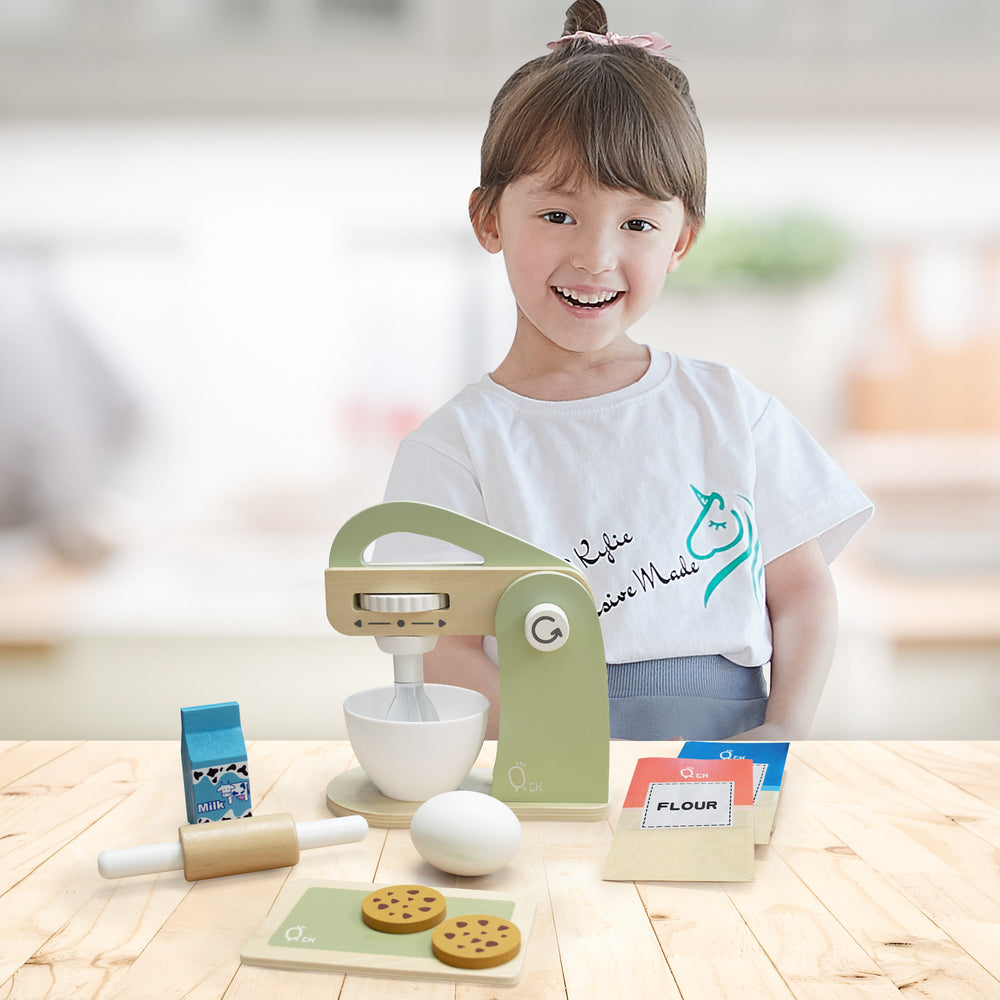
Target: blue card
(768, 771)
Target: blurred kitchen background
(235, 268)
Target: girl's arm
(802, 604)
(460, 660)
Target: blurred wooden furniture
(912, 380)
(924, 414)
(929, 563)
(881, 877)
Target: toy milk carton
(214, 759)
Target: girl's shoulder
(448, 421)
(719, 382)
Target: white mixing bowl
(414, 761)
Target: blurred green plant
(777, 252)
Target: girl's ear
(684, 243)
(485, 226)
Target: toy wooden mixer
(553, 747)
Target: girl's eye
(558, 218)
(638, 226)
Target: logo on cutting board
(519, 781)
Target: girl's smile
(582, 298)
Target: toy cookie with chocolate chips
(476, 941)
(403, 909)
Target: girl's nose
(594, 251)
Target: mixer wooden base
(352, 793)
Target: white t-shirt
(671, 495)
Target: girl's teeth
(591, 299)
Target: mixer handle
(495, 546)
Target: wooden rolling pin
(233, 847)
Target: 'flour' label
(673, 804)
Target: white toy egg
(466, 833)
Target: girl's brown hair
(614, 114)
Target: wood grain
(881, 880)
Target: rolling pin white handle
(330, 832)
(208, 850)
(150, 859)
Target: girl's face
(584, 263)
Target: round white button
(546, 627)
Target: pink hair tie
(653, 42)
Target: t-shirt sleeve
(801, 493)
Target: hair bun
(586, 15)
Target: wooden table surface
(882, 880)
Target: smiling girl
(702, 513)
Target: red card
(662, 769)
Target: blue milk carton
(214, 759)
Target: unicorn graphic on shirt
(723, 538)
